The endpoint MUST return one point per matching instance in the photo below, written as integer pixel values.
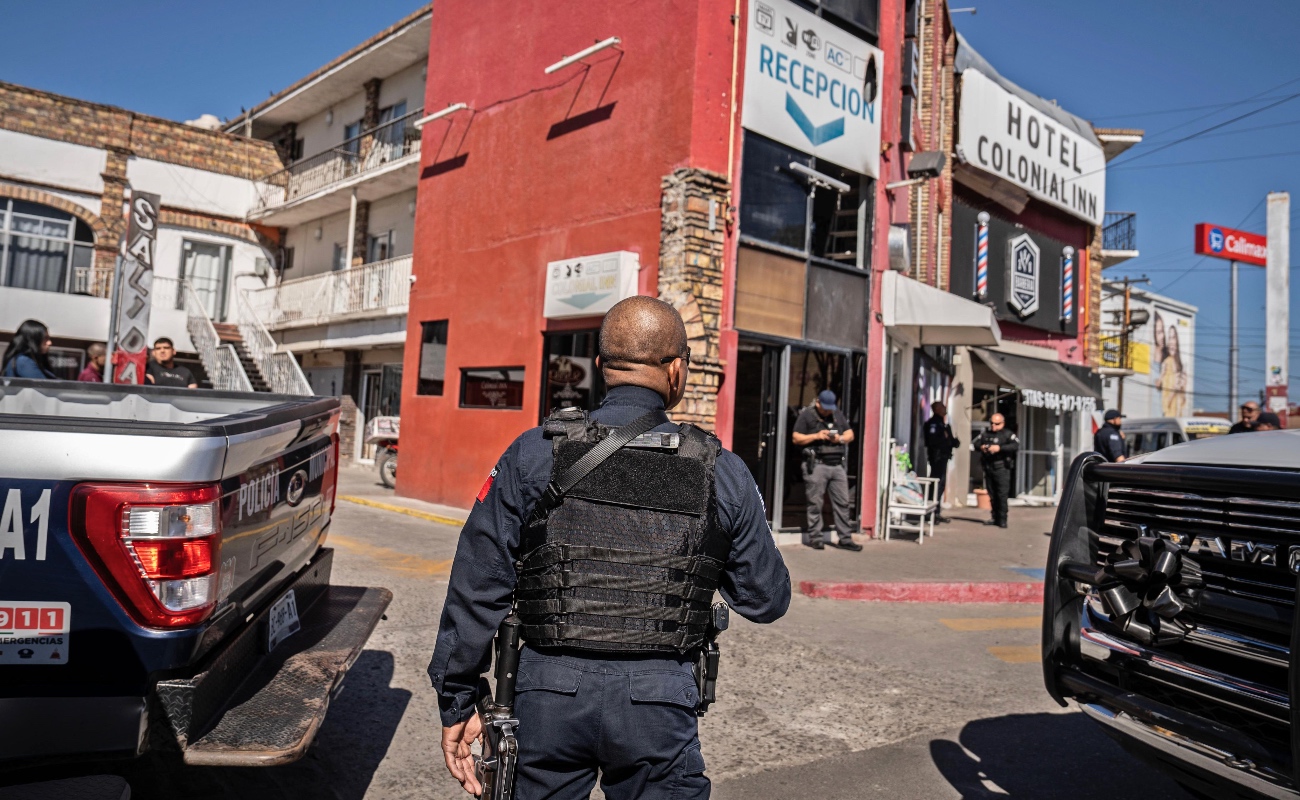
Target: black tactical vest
(629, 559)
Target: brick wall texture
(124, 134)
(690, 278)
(928, 202)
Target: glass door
(757, 435)
(809, 372)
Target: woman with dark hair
(1173, 379)
(26, 355)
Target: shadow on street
(1062, 756)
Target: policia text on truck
(606, 536)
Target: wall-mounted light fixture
(329, 116)
(581, 54)
(319, 232)
(451, 109)
(411, 207)
(819, 178)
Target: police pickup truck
(1169, 609)
(164, 584)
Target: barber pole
(1067, 284)
(982, 256)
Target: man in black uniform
(939, 444)
(997, 447)
(1249, 415)
(1108, 440)
(611, 581)
(823, 431)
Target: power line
(1201, 260)
(1212, 160)
(1213, 127)
(1229, 104)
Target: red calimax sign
(1223, 242)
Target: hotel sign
(1003, 135)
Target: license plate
(282, 622)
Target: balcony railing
(382, 288)
(98, 282)
(1119, 231)
(279, 368)
(367, 151)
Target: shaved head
(643, 343)
(96, 349)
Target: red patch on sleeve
(487, 485)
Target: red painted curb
(902, 592)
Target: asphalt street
(840, 699)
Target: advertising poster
(1171, 360)
(568, 381)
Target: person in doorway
(997, 447)
(162, 369)
(1268, 421)
(1108, 440)
(939, 444)
(564, 563)
(823, 432)
(28, 353)
(96, 355)
(1249, 414)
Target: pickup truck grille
(1232, 667)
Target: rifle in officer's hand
(706, 663)
(495, 769)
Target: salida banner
(135, 288)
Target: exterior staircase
(228, 333)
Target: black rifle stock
(495, 769)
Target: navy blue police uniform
(939, 444)
(629, 715)
(1109, 442)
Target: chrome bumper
(1217, 764)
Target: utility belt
(812, 458)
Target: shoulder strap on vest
(617, 438)
(567, 422)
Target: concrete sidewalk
(360, 485)
(965, 561)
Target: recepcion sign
(1005, 136)
(1219, 241)
(812, 86)
(589, 286)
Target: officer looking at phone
(823, 432)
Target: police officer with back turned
(939, 444)
(606, 535)
(997, 447)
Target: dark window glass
(835, 216)
(860, 13)
(433, 357)
(492, 387)
(570, 375)
(773, 200)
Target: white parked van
(1155, 433)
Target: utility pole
(1123, 346)
(1232, 342)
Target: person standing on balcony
(162, 369)
(96, 354)
(28, 354)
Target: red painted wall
(890, 206)
(545, 167)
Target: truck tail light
(156, 546)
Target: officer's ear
(677, 371)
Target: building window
(205, 267)
(352, 137)
(340, 258)
(492, 387)
(856, 16)
(392, 134)
(570, 377)
(782, 207)
(379, 247)
(433, 357)
(44, 249)
(286, 260)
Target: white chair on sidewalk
(910, 498)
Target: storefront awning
(1042, 384)
(933, 316)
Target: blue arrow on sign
(585, 299)
(817, 134)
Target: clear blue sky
(1117, 63)
(1130, 64)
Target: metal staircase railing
(279, 369)
(220, 360)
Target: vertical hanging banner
(135, 290)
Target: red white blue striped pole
(1067, 284)
(982, 256)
